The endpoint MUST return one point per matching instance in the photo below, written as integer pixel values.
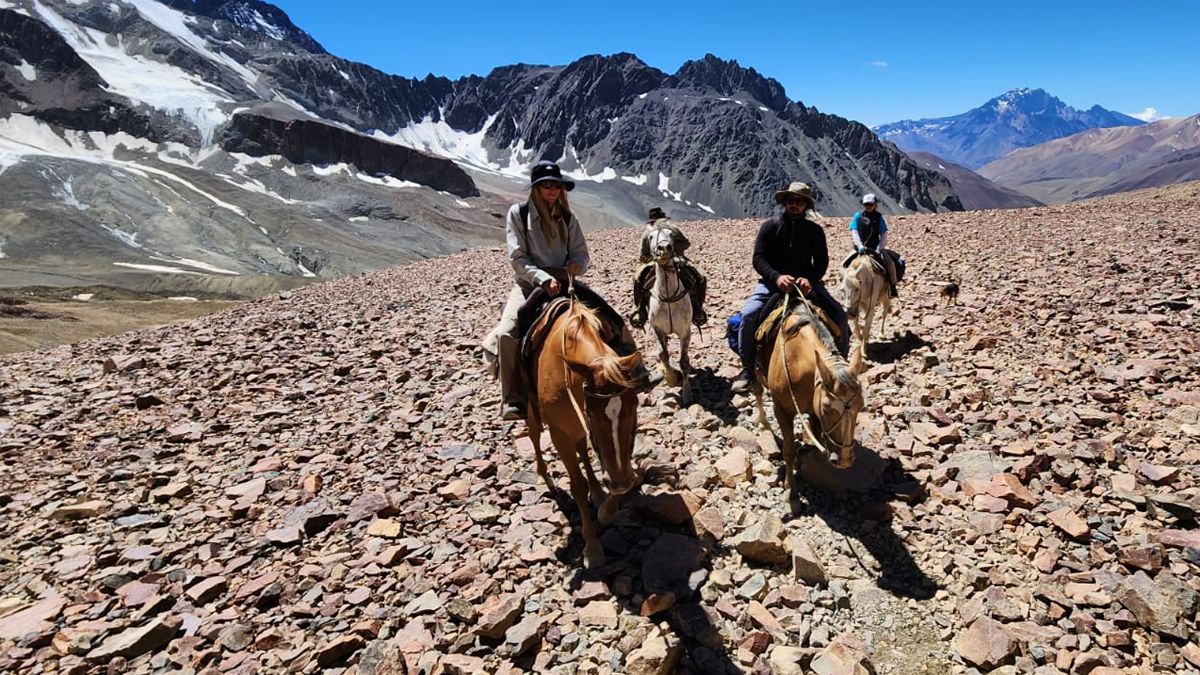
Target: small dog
(950, 293)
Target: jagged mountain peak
(728, 77)
(253, 15)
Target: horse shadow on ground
(891, 351)
(856, 503)
(653, 551)
(714, 394)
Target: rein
(805, 422)
(587, 429)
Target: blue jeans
(753, 308)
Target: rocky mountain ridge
(184, 87)
(975, 191)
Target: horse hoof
(593, 557)
(608, 511)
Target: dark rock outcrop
(309, 141)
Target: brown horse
(809, 379)
(586, 391)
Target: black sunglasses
(553, 184)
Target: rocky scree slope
(317, 480)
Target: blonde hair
(552, 217)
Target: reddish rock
(986, 644)
(1066, 520)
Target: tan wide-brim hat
(796, 189)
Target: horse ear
(824, 371)
(631, 362)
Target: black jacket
(790, 246)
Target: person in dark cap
(689, 276)
(545, 246)
(790, 252)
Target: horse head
(611, 387)
(662, 244)
(837, 400)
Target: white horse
(865, 286)
(670, 309)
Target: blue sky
(872, 61)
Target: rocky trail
(317, 480)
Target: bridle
(587, 392)
(828, 400)
(671, 264)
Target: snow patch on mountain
(27, 70)
(441, 139)
(174, 22)
(156, 84)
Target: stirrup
(699, 318)
(743, 383)
(511, 412)
(637, 320)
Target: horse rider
(545, 245)
(869, 230)
(789, 253)
(643, 282)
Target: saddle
(539, 313)
(897, 261)
(773, 316)
(689, 276)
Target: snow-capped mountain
(1019, 118)
(138, 137)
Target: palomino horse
(809, 379)
(586, 391)
(670, 310)
(865, 286)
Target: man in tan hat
(643, 281)
(789, 252)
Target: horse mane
(841, 369)
(587, 324)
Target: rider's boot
(513, 402)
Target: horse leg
(762, 412)
(664, 358)
(570, 451)
(534, 426)
(787, 429)
(685, 365)
(594, 487)
(868, 318)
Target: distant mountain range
(215, 145)
(1103, 161)
(1019, 118)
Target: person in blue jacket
(869, 230)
